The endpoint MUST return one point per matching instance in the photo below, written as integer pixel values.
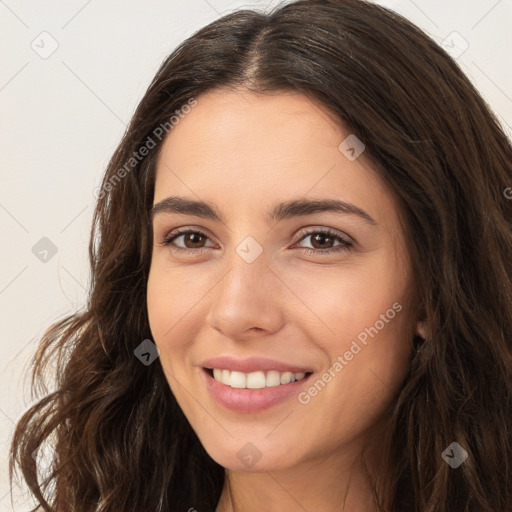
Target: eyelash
(345, 244)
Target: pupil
(321, 238)
(191, 236)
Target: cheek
(349, 298)
(171, 296)
(173, 326)
(362, 314)
(176, 310)
(170, 304)
(158, 303)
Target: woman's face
(256, 286)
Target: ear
(420, 329)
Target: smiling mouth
(255, 380)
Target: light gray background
(62, 115)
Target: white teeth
(238, 380)
(286, 377)
(273, 378)
(255, 380)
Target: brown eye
(190, 239)
(320, 239)
(323, 242)
(194, 239)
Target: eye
(194, 241)
(325, 239)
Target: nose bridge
(246, 296)
(249, 268)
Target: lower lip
(251, 400)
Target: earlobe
(420, 329)
(419, 337)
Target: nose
(248, 301)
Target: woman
(221, 364)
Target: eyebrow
(285, 210)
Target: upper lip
(252, 364)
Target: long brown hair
(121, 442)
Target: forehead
(247, 152)
(237, 125)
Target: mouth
(255, 380)
(249, 393)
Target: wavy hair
(120, 442)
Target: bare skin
(245, 153)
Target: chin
(251, 456)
